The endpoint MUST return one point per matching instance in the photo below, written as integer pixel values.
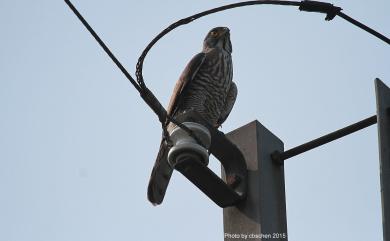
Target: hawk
(206, 87)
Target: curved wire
(139, 66)
(310, 6)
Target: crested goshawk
(206, 87)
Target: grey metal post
(383, 114)
(262, 216)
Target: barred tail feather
(161, 174)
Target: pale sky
(77, 144)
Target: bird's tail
(161, 174)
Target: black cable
(145, 93)
(364, 27)
(103, 45)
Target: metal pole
(383, 110)
(279, 157)
(262, 215)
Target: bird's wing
(188, 74)
(162, 171)
(229, 102)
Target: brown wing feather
(187, 75)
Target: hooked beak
(227, 45)
(226, 30)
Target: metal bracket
(231, 158)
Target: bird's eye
(213, 33)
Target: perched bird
(205, 86)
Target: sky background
(77, 144)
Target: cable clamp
(321, 7)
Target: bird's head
(218, 37)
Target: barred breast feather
(207, 91)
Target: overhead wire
(150, 99)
